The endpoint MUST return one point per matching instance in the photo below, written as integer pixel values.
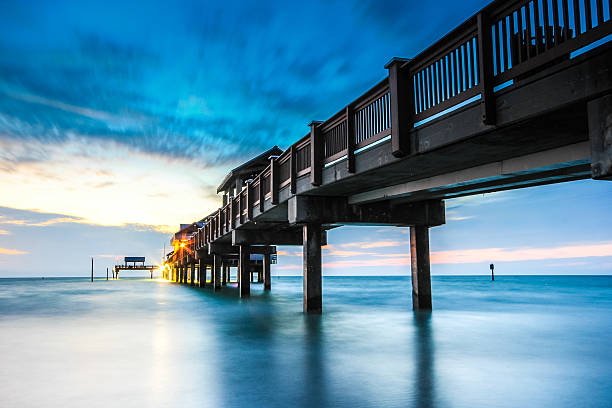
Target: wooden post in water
(244, 281)
(266, 272)
(312, 268)
(92, 269)
(419, 257)
(107, 273)
(492, 274)
(216, 272)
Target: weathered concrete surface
(244, 280)
(312, 269)
(600, 134)
(421, 278)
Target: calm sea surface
(515, 342)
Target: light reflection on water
(518, 341)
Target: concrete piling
(266, 272)
(312, 269)
(244, 281)
(216, 272)
(421, 277)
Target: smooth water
(515, 342)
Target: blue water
(515, 342)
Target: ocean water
(516, 342)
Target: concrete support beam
(185, 274)
(202, 279)
(266, 272)
(216, 272)
(220, 248)
(193, 267)
(263, 241)
(249, 237)
(421, 277)
(312, 268)
(244, 281)
(224, 273)
(600, 135)
(336, 210)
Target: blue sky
(118, 119)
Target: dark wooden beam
(402, 106)
(600, 135)
(243, 271)
(485, 69)
(350, 139)
(312, 291)
(336, 210)
(274, 175)
(316, 154)
(421, 277)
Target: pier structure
(518, 95)
(133, 263)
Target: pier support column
(193, 266)
(244, 280)
(312, 268)
(184, 269)
(600, 134)
(224, 274)
(266, 272)
(202, 280)
(260, 275)
(216, 279)
(421, 277)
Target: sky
(118, 119)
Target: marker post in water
(492, 274)
(92, 269)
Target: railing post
(402, 106)
(316, 154)
(231, 211)
(350, 139)
(249, 203)
(262, 195)
(485, 70)
(292, 171)
(274, 180)
(218, 224)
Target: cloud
(62, 219)
(4, 251)
(487, 255)
(376, 244)
(521, 254)
(287, 267)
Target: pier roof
(251, 167)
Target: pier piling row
(488, 107)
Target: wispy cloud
(487, 255)
(375, 244)
(521, 254)
(4, 251)
(4, 232)
(287, 267)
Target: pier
(133, 263)
(506, 100)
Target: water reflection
(314, 367)
(199, 348)
(424, 381)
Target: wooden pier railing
(506, 41)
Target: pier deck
(503, 101)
